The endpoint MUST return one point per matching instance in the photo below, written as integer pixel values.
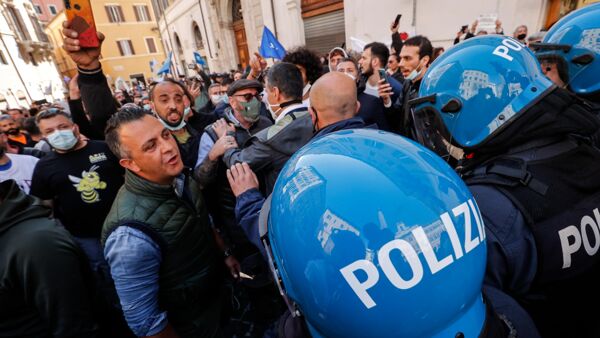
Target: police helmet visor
(431, 132)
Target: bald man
(333, 104)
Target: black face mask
(13, 131)
(521, 36)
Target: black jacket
(98, 101)
(45, 280)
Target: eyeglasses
(247, 97)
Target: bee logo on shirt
(88, 185)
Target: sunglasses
(248, 97)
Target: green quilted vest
(190, 278)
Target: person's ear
(276, 94)
(426, 59)
(312, 115)
(76, 130)
(130, 164)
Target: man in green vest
(157, 238)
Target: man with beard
(9, 126)
(169, 106)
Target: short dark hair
(186, 92)
(379, 51)
(308, 59)
(425, 48)
(287, 78)
(127, 114)
(17, 109)
(50, 113)
(30, 126)
(226, 81)
(349, 59)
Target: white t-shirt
(372, 90)
(20, 168)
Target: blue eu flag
(199, 59)
(270, 47)
(166, 66)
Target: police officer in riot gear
(409, 263)
(570, 53)
(537, 185)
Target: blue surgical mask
(225, 99)
(147, 107)
(170, 126)
(62, 139)
(186, 112)
(415, 74)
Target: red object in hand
(404, 36)
(79, 13)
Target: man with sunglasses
(267, 151)
(241, 121)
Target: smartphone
(79, 13)
(397, 21)
(382, 75)
(463, 29)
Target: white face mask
(171, 126)
(216, 99)
(62, 139)
(270, 106)
(415, 74)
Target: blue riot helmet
(372, 235)
(475, 90)
(575, 39)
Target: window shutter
(131, 47)
(120, 48)
(108, 14)
(148, 17)
(137, 15)
(121, 16)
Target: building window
(39, 31)
(52, 9)
(18, 23)
(125, 47)
(114, 13)
(141, 13)
(3, 58)
(38, 9)
(198, 37)
(151, 45)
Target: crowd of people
(265, 202)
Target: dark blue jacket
(372, 111)
(510, 243)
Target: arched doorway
(240, 33)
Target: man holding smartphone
(376, 83)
